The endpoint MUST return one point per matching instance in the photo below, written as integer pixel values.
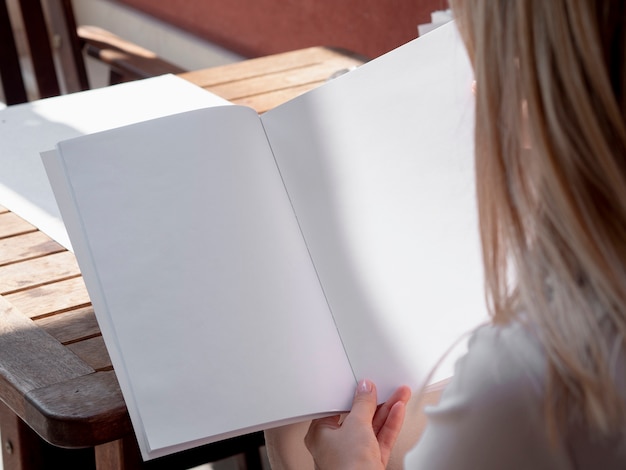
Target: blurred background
(195, 34)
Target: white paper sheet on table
(28, 129)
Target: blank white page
(379, 167)
(199, 277)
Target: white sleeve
(490, 416)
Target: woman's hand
(364, 439)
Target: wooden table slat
(51, 298)
(72, 326)
(95, 404)
(27, 246)
(93, 351)
(316, 74)
(37, 272)
(232, 73)
(31, 358)
(266, 101)
(11, 225)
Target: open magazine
(246, 271)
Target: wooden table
(56, 377)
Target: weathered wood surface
(31, 358)
(49, 341)
(11, 224)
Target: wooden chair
(127, 61)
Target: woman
(543, 386)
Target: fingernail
(364, 386)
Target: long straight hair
(551, 179)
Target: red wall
(260, 27)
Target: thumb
(364, 402)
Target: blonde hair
(551, 179)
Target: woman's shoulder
(491, 413)
(500, 378)
(502, 359)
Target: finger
(317, 428)
(401, 394)
(364, 403)
(388, 433)
(332, 422)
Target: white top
(491, 414)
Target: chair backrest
(70, 46)
(41, 52)
(126, 61)
(10, 72)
